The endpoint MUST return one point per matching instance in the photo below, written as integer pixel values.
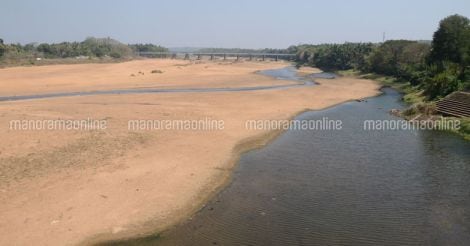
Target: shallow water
(341, 187)
(288, 73)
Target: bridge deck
(215, 53)
(199, 55)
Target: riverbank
(55, 184)
(415, 99)
(33, 61)
(364, 187)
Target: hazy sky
(220, 23)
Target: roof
(456, 104)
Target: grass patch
(156, 71)
(412, 94)
(464, 128)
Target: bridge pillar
(263, 57)
(251, 57)
(225, 56)
(173, 56)
(238, 57)
(186, 56)
(276, 58)
(199, 56)
(212, 56)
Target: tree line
(90, 47)
(438, 67)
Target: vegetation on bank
(413, 96)
(465, 128)
(89, 49)
(438, 68)
(424, 70)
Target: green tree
(444, 82)
(147, 48)
(46, 49)
(451, 42)
(2, 48)
(404, 59)
(334, 56)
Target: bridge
(213, 56)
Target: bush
(2, 49)
(115, 55)
(443, 82)
(465, 128)
(419, 108)
(147, 48)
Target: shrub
(444, 82)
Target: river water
(341, 187)
(288, 73)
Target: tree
(46, 49)
(147, 48)
(451, 42)
(2, 48)
(400, 58)
(91, 47)
(444, 82)
(334, 56)
(100, 47)
(449, 57)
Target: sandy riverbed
(69, 187)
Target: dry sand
(134, 74)
(77, 187)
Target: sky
(224, 23)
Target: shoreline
(411, 96)
(218, 184)
(211, 189)
(164, 173)
(214, 187)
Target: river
(340, 187)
